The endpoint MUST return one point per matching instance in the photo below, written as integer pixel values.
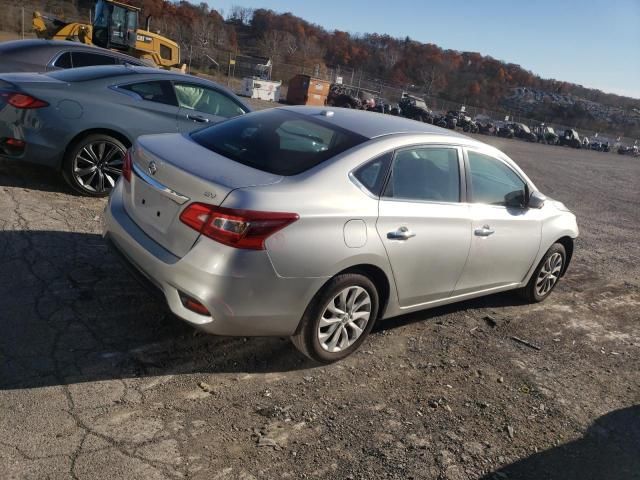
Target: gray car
(81, 121)
(51, 55)
(315, 223)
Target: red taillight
(126, 166)
(237, 228)
(21, 100)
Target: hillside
(464, 77)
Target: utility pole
(23, 22)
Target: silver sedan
(315, 223)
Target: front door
(505, 235)
(423, 224)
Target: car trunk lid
(27, 79)
(171, 171)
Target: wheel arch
(567, 242)
(93, 131)
(379, 279)
(374, 273)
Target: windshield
(277, 141)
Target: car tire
(324, 343)
(546, 275)
(100, 152)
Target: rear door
(423, 223)
(506, 237)
(201, 105)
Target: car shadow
(70, 312)
(497, 300)
(33, 177)
(610, 449)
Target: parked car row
(218, 207)
(546, 134)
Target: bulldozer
(114, 26)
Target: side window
(493, 182)
(87, 59)
(372, 174)
(423, 173)
(63, 61)
(165, 52)
(158, 91)
(206, 100)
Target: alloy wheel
(97, 166)
(549, 274)
(344, 319)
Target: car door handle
(485, 231)
(403, 233)
(198, 118)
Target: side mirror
(536, 200)
(515, 199)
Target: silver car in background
(315, 223)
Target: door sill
(461, 297)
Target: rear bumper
(239, 287)
(44, 139)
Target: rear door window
(277, 141)
(425, 174)
(158, 91)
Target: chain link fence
(223, 70)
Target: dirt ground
(98, 380)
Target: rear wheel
(93, 164)
(338, 319)
(546, 276)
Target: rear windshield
(84, 74)
(277, 141)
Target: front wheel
(546, 276)
(93, 164)
(338, 319)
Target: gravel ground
(97, 380)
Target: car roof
(371, 124)
(131, 74)
(40, 50)
(97, 72)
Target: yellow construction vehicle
(115, 26)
